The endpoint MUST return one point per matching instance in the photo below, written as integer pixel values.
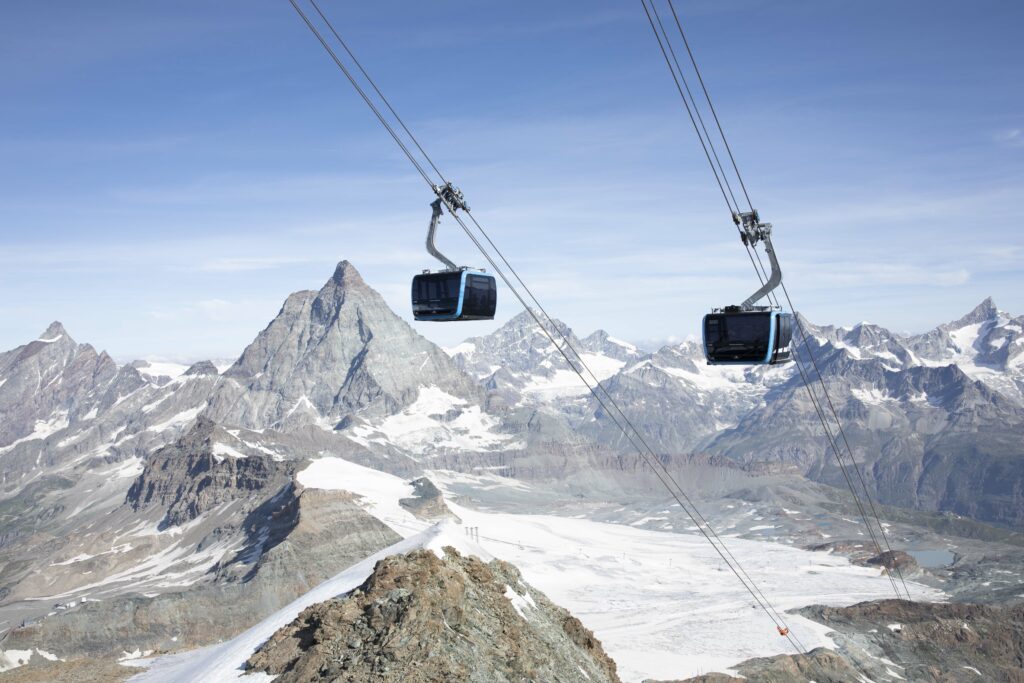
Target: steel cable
(761, 271)
(645, 451)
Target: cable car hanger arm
(752, 231)
(450, 196)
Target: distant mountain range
(934, 419)
(131, 483)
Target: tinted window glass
(436, 293)
(492, 295)
(481, 296)
(785, 330)
(737, 336)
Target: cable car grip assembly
(752, 231)
(452, 197)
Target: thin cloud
(1013, 137)
(246, 264)
(216, 311)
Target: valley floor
(662, 603)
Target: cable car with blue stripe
(457, 292)
(754, 337)
(454, 295)
(749, 334)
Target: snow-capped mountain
(332, 355)
(186, 495)
(519, 358)
(933, 418)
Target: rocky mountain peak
(332, 354)
(53, 331)
(602, 342)
(203, 367)
(981, 313)
(346, 276)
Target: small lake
(932, 559)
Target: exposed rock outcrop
(420, 618)
(893, 561)
(820, 665)
(40, 670)
(428, 502)
(930, 642)
(192, 476)
(901, 640)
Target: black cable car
(455, 293)
(748, 334)
(756, 337)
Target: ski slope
(663, 604)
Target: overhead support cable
(566, 349)
(384, 99)
(735, 206)
(686, 103)
(711, 106)
(823, 407)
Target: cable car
(454, 295)
(749, 334)
(457, 292)
(755, 337)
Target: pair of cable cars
(733, 335)
(457, 292)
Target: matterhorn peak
(331, 354)
(53, 332)
(346, 276)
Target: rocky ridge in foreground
(421, 618)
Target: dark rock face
(921, 642)
(428, 502)
(420, 619)
(931, 642)
(894, 560)
(188, 478)
(821, 666)
(203, 367)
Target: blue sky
(172, 171)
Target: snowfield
(663, 604)
(427, 425)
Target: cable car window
(738, 336)
(438, 287)
(785, 333)
(480, 297)
(436, 293)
